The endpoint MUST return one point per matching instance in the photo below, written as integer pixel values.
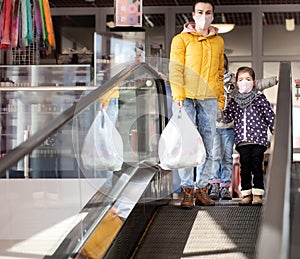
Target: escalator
(135, 216)
(227, 230)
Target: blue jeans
(113, 109)
(204, 115)
(221, 170)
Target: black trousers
(251, 160)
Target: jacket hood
(191, 27)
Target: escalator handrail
(273, 239)
(14, 155)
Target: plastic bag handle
(102, 119)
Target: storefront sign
(128, 13)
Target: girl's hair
(245, 70)
(205, 1)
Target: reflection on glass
(296, 104)
(76, 197)
(154, 28)
(114, 51)
(271, 69)
(70, 29)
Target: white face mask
(245, 86)
(202, 21)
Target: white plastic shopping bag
(103, 146)
(180, 144)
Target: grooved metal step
(202, 232)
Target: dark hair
(205, 1)
(225, 63)
(245, 70)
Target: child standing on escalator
(252, 115)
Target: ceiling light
(221, 23)
(110, 24)
(290, 24)
(224, 27)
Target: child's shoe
(247, 200)
(257, 200)
(214, 191)
(225, 194)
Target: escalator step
(202, 232)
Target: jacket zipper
(244, 137)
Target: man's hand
(103, 106)
(179, 103)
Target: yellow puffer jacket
(196, 65)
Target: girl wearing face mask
(252, 115)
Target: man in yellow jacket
(196, 75)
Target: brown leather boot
(247, 200)
(188, 198)
(202, 198)
(257, 200)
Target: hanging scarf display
(15, 24)
(24, 32)
(44, 32)
(17, 21)
(49, 25)
(6, 25)
(1, 19)
(29, 22)
(38, 25)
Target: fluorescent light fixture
(224, 27)
(151, 24)
(290, 24)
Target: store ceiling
(158, 20)
(110, 3)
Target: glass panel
(242, 31)
(24, 112)
(114, 51)
(71, 47)
(296, 104)
(45, 75)
(43, 211)
(272, 69)
(70, 28)
(273, 35)
(154, 27)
